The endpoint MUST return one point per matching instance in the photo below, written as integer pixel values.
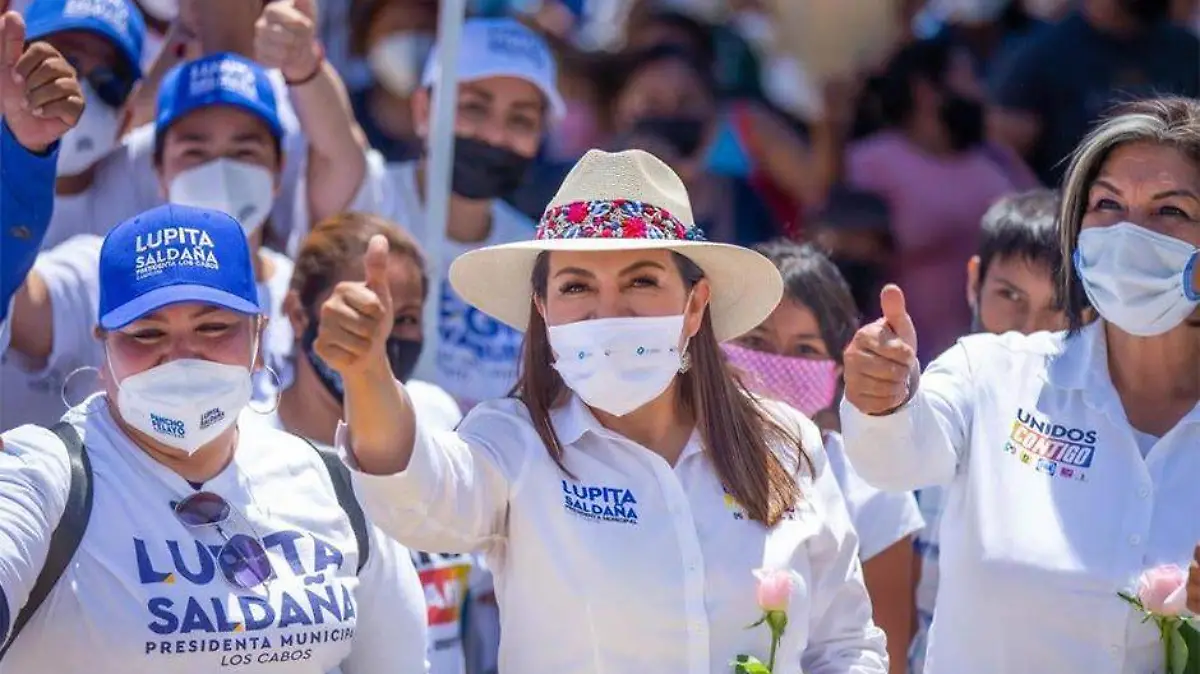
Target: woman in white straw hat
(628, 490)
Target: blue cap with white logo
(174, 254)
(217, 79)
(118, 21)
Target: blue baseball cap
(217, 79)
(174, 254)
(118, 21)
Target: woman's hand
(40, 98)
(881, 369)
(1193, 582)
(357, 319)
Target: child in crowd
(1010, 286)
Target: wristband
(316, 71)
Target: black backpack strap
(344, 488)
(67, 535)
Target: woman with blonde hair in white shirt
(1069, 457)
(629, 489)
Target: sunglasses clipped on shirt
(242, 559)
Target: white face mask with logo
(618, 364)
(184, 403)
(397, 60)
(93, 137)
(244, 191)
(1138, 280)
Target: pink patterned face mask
(806, 384)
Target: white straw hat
(626, 200)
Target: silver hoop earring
(277, 386)
(62, 390)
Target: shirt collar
(573, 419)
(1082, 365)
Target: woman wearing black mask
(667, 91)
(311, 400)
(507, 96)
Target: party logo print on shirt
(1049, 448)
(739, 512)
(603, 504)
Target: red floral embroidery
(615, 219)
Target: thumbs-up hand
(285, 37)
(881, 361)
(357, 318)
(40, 98)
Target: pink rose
(774, 588)
(1163, 590)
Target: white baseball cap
(502, 48)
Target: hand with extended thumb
(357, 318)
(881, 367)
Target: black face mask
(402, 354)
(685, 134)
(483, 171)
(1147, 11)
(964, 120)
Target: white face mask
(1138, 280)
(244, 191)
(397, 60)
(163, 10)
(93, 137)
(618, 364)
(184, 403)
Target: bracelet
(316, 71)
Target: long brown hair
(739, 435)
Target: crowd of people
(900, 305)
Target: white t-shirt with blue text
(145, 594)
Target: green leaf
(1191, 637)
(748, 664)
(1177, 650)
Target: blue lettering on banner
(167, 426)
(245, 627)
(605, 504)
(474, 349)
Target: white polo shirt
(629, 565)
(881, 518)
(1050, 508)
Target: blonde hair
(1172, 122)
